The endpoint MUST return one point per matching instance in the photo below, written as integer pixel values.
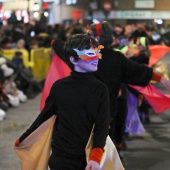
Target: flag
(160, 102)
(157, 52)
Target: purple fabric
(133, 123)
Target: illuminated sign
(145, 4)
(133, 14)
(71, 2)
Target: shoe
(124, 146)
(122, 158)
(147, 120)
(13, 100)
(140, 116)
(2, 115)
(22, 96)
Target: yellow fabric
(9, 53)
(143, 41)
(41, 64)
(34, 151)
(161, 68)
(110, 159)
(47, 52)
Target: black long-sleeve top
(114, 68)
(79, 101)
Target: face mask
(90, 54)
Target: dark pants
(144, 108)
(119, 122)
(67, 162)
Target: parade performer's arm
(100, 132)
(45, 114)
(138, 74)
(158, 78)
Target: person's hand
(165, 83)
(17, 142)
(119, 93)
(140, 99)
(92, 165)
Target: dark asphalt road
(148, 151)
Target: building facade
(127, 11)
(117, 11)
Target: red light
(45, 5)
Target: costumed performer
(114, 69)
(79, 101)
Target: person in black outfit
(114, 69)
(79, 101)
(58, 48)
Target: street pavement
(147, 151)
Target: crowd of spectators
(17, 35)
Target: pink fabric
(157, 52)
(159, 101)
(58, 69)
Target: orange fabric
(52, 42)
(110, 159)
(159, 101)
(96, 154)
(140, 97)
(34, 151)
(58, 69)
(157, 77)
(84, 57)
(17, 142)
(157, 52)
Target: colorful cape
(133, 123)
(58, 69)
(157, 52)
(34, 151)
(110, 159)
(159, 101)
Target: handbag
(110, 159)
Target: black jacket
(114, 68)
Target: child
(17, 60)
(79, 101)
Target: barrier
(9, 54)
(47, 52)
(41, 59)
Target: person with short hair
(79, 101)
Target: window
(71, 2)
